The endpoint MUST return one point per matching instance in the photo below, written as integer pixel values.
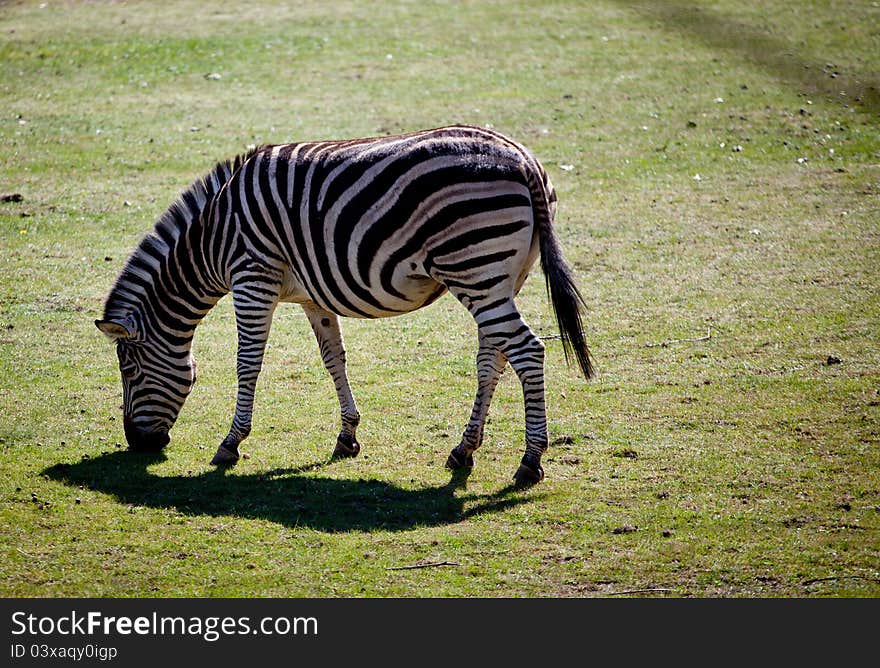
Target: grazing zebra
(365, 228)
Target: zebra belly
(418, 290)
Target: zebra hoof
(224, 457)
(526, 476)
(455, 461)
(346, 449)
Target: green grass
(746, 464)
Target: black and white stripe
(364, 228)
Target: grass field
(718, 169)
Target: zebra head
(155, 383)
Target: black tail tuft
(568, 304)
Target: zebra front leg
(254, 302)
(490, 364)
(326, 327)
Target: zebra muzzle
(142, 440)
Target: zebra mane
(192, 201)
(171, 226)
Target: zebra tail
(568, 303)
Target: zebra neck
(161, 297)
(177, 273)
(168, 284)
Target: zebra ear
(116, 330)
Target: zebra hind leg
(504, 327)
(490, 364)
(526, 354)
(501, 328)
(325, 325)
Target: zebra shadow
(293, 497)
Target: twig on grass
(840, 577)
(431, 564)
(669, 342)
(637, 591)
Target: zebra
(364, 228)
